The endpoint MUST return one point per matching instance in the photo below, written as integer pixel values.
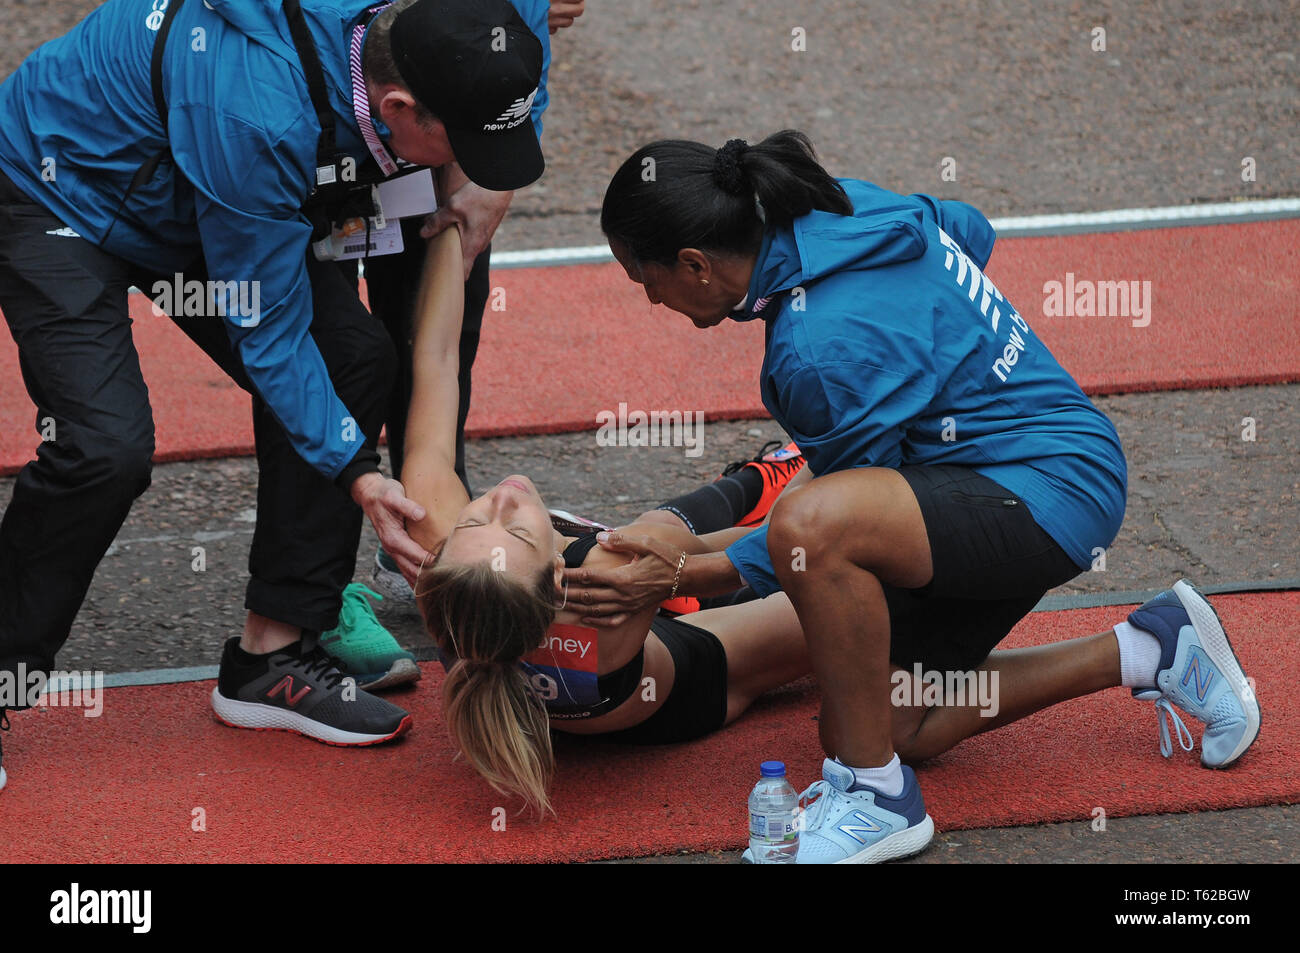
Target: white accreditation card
(397, 198)
(405, 195)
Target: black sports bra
(575, 554)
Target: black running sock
(246, 658)
(718, 505)
(301, 647)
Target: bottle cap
(773, 769)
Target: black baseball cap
(477, 67)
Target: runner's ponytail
(675, 194)
(487, 621)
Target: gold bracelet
(677, 576)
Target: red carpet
(1223, 313)
(126, 786)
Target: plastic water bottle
(773, 838)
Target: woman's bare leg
(832, 545)
(1028, 680)
(764, 645)
(766, 649)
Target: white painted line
(200, 536)
(1129, 218)
(580, 255)
(1122, 219)
(161, 676)
(1015, 226)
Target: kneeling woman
(519, 660)
(959, 471)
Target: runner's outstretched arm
(429, 471)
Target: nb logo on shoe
(1192, 676)
(865, 825)
(285, 686)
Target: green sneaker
(363, 648)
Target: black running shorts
(697, 704)
(992, 563)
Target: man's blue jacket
(77, 120)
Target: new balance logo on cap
(513, 116)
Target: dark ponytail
(675, 194)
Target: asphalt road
(1035, 118)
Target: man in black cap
(213, 162)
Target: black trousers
(392, 283)
(65, 301)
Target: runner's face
(508, 527)
(677, 287)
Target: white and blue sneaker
(1200, 674)
(842, 822)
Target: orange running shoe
(682, 605)
(778, 466)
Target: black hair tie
(727, 170)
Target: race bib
(562, 671)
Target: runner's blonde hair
(487, 621)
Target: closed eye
(523, 534)
(517, 532)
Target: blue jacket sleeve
(536, 14)
(963, 222)
(247, 204)
(750, 557)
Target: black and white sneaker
(300, 689)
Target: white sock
(1139, 656)
(888, 780)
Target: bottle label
(773, 828)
